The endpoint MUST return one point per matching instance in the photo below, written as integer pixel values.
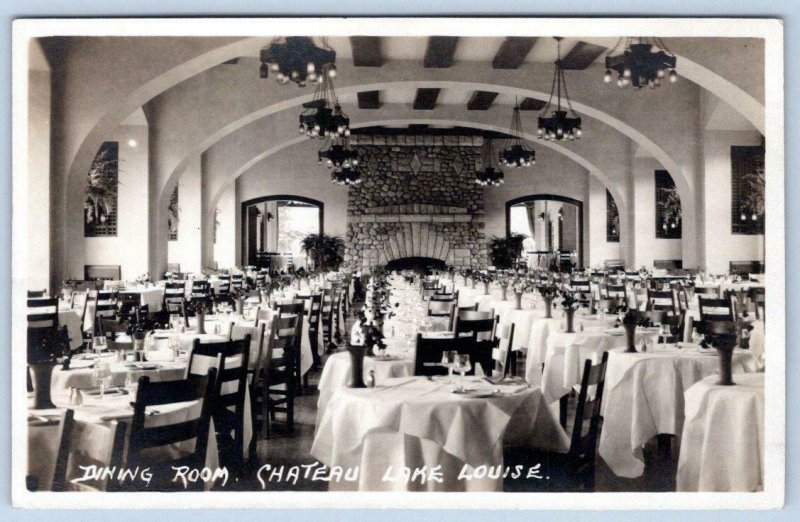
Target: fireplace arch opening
(417, 264)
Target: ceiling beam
(369, 99)
(531, 104)
(513, 52)
(440, 51)
(425, 100)
(581, 56)
(367, 51)
(481, 100)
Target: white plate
(706, 351)
(615, 332)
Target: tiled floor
(293, 449)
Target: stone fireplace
(418, 199)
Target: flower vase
(485, 288)
(41, 373)
(356, 366)
(630, 338)
(504, 292)
(201, 323)
(725, 345)
(548, 308)
(570, 316)
(472, 284)
(517, 300)
(239, 304)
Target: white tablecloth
(722, 447)
(644, 397)
(567, 354)
(336, 374)
(96, 412)
(415, 422)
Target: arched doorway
(275, 226)
(553, 225)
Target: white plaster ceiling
(725, 117)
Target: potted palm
(326, 252)
(504, 251)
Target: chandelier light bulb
(626, 72)
(743, 217)
(673, 76)
(312, 77)
(607, 76)
(263, 71)
(310, 67)
(578, 133)
(295, 75)
(302, 129)
(332, 71)
(620, 83)
(754, 217)
(660, 73)
(274, 67)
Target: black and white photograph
(365, 262)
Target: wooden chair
(326, 318)
(36, 294)
(445, 296)
(441, 308)
(231, 360)
(428, 355)
(712, 309)
(105, 308)
(224, 286)
(42, 322)
(574, 470)
(314, 314)
(129, 306)
(607, 305)
(201, 290)
(296, 308)
(146, 439)
(616, 291)
(661, 300)
(75, 450)
(275, 381)
(237, 281)
(757, 295)
(502, 353)
(480, 325)
(710, 291)
(256, 333)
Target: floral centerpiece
(548, 292)
(520, 284)
(483, 276)
(144, 279)
(630, 321)
(569, 303)
(200, 307)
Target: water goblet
(102, 375)
(463, 365)
(448, 361)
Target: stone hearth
(418, 199)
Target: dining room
(385, 262)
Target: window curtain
(531, 213)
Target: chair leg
(289, 409)
(563, 403)
(664, 443)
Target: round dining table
(419, 423)
(722, 444)
(644, 397)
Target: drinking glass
(448, 361)
(130, 382)
(463, 366)
(102, 375)
(99, 344)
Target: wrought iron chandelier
(490, 175)
(323, 117)
(338, 154)
(642, 64)
(298, 60)
(562, 124)
(346, 176)
(516, 153)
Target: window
(295, 221)
(668, 207)
(747, 190)
(100, 206)
(612, 219)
